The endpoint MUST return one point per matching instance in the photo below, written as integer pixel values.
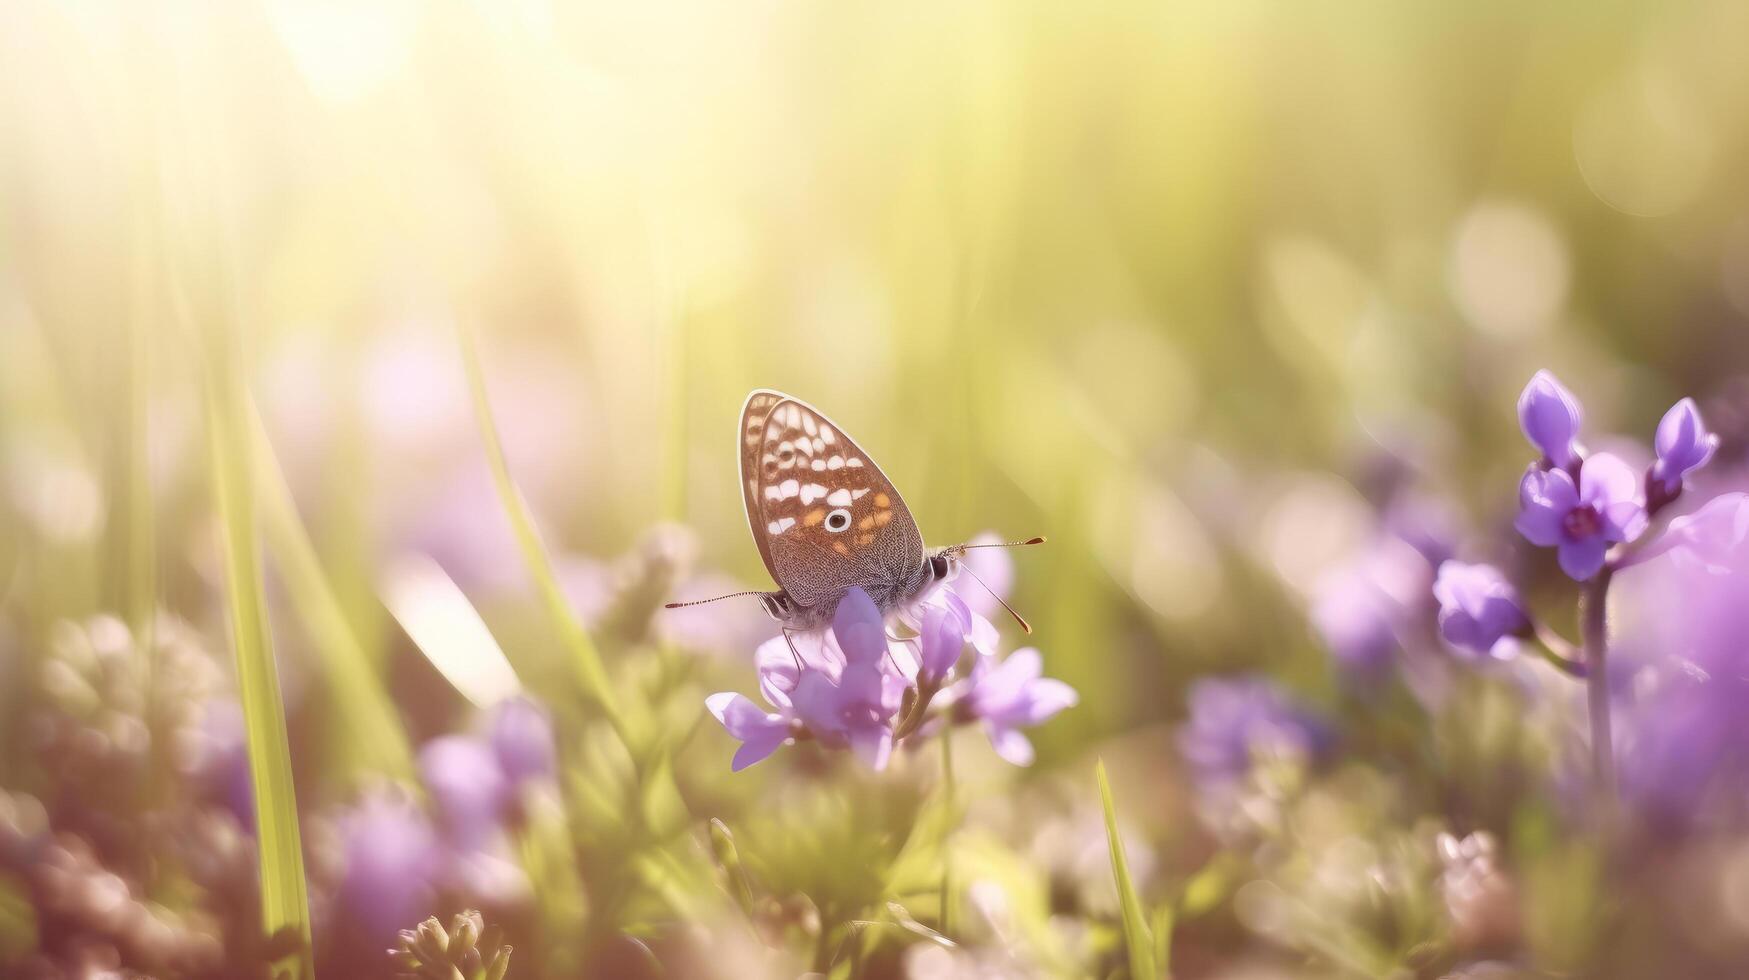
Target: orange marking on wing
(881, 519)
(838, 546)
(864, 540)
(815, 516)
(866, 523)
(883, 501)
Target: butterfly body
(887, 595)
(824, 516)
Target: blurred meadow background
(1231, 300)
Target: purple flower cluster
(1238, 721)
(1585, 506)
(1362, 610)
(473, 780)
(854, 686)
(1684, 739)
(394, 855)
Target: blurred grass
(1139, 940)
(284, 892)
(370, 738)
(591, 674)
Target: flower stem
(1554, 648)
(912, 720)
(947, 789)
(1594, 633)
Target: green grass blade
(585, 658)
(1143, 965)
(284, 899)
(1165, 920)
(373, 736)
(142, 585)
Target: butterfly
(827, 519)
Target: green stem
(1594, 633)
(947, 790)
(1554, 648)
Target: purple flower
(1712, 538)
(965, 600)
(1355, 622)
(1009, 696)
(844, 686)
(1683, 736)
(856, 708)
(1549, 415)
(521, 733)
(940, 641)
(1359, 608)
(760, 732)
(1235, 721)
(845, 692)
(1581, 520)
(468, 786)
(1427, 523)
(1684, 445)
(1478, 609)
(391, 856)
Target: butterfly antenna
(999, 544)
(700, 602)
(1025, 627)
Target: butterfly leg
(894, 660)
(792, 646)
(897, 639)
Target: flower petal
(1581, 559)
(1716, 537)
(1011, 745)
(1046, 697)
(861, 632)
(941, 639)
(1624, 520)
(816, 703)
(756, 750)
(1461, 629)
(874, 746)
(1683, 443)
(1606, 479)
(1544, 499)
(985, 639)
(954, 603)
(1549, 415)
(1006, 681)
(741, 717)
(1540, 526)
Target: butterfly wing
(751, 436)
(828, 518)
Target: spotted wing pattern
(828, 518)
(750, 436)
